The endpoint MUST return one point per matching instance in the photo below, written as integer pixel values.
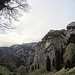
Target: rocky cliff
(50, 50)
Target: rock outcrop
(71, 26)
(52, 47)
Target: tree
(58, 60)
(11, 10)
(71, 39)
(48, 64)
(70, 56)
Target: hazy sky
(44, 16)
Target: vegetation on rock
(70, 56)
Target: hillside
(17, 55)
(47, 57)
(51, 51)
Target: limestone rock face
(53, 46)
(54, 41)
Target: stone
(53, 46)
(71, 26)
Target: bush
(40, 71)
(58, 61)
(70, 56)
(32, 68)
(48, 64)
(22, 70)
(71, 39)
(4, 71)
(0, 73)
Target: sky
(45, 15)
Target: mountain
(51, 49)
(55, 51)
(17, 55)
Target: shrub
(4, 71)
(48, 64)
(32, 68)
(70, 56)
(40, 71)
(0, 73)
(22, 70)
(71, 39)
(58, 61)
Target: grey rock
(53, 41)
(71, 26)
(53, 46)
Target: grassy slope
(42, 71)
(66, 72)
(61, 72)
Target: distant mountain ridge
(18, 54)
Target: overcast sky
(44, 16)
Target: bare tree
(11, 10)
